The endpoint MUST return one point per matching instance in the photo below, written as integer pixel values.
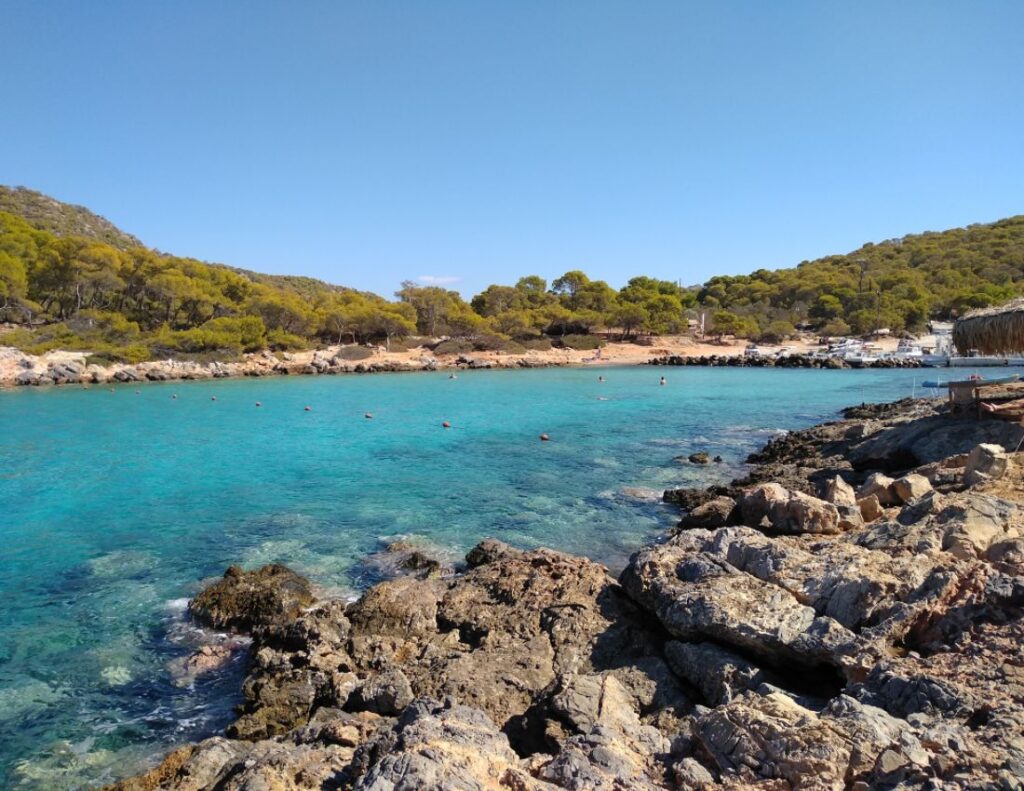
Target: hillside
(73, 280)
(62, 219)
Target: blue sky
(474, 142)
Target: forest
(71, 280)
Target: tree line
(128, 302)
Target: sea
(118, 503)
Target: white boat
(861, 360)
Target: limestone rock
(984, 463)
(714, 513)
(245, 599)
(911, 488)
(880, 486)
(870, 508)
(839, 492)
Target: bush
(538, 344)
(581, 343)
(454, 346)
(354, 353)
(130, 355)
(279, 340)
(497, 343)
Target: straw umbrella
(998, 330)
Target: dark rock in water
(243, 600)
(488, 551)
(699, 458)
(714, 513)
(689, 499)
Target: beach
(64, 367)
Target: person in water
(600, 379)
(663, 381)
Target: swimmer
(663, 381)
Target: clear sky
(474, 142)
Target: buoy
(446, 424)
(544, 438)
(368, 416)
(308, 409)
(258, 404)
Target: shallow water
(115, 505)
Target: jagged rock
(714, 513)
(755, 504)
(911, 488)
(839, 492)
(718, 673)
(880, 486)
(244, 599)
(442, 745)
(387, 692)
(802, 513)
(870, 508)
(488, 551)
(699, 458)
(986, 462)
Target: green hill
(71, 279)
(62, 219)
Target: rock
(1009, 551)
(206, 659)
(714, 513)
(802, 513)
(442, 745)
(699, 458)
(839, 492)
(911, 488)
(718, 673)
(755, 504)
(245, 599)
(880, 486)
(489, 551)
(387, 692)
(985, 462)
(870, 508)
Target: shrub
(537, 344)
(354, 353)
(454, 346)
(279, 340)
(581, 342)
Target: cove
(114, 506)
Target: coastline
(867, 627)
(65, 367)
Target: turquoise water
(115, 505)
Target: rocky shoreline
(847, 617)
(72, 368)
(791, 361)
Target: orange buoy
(544, 438)
(368, 416)
(446, 424)
(308, 409)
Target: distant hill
(63, 219)
(77, 281)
